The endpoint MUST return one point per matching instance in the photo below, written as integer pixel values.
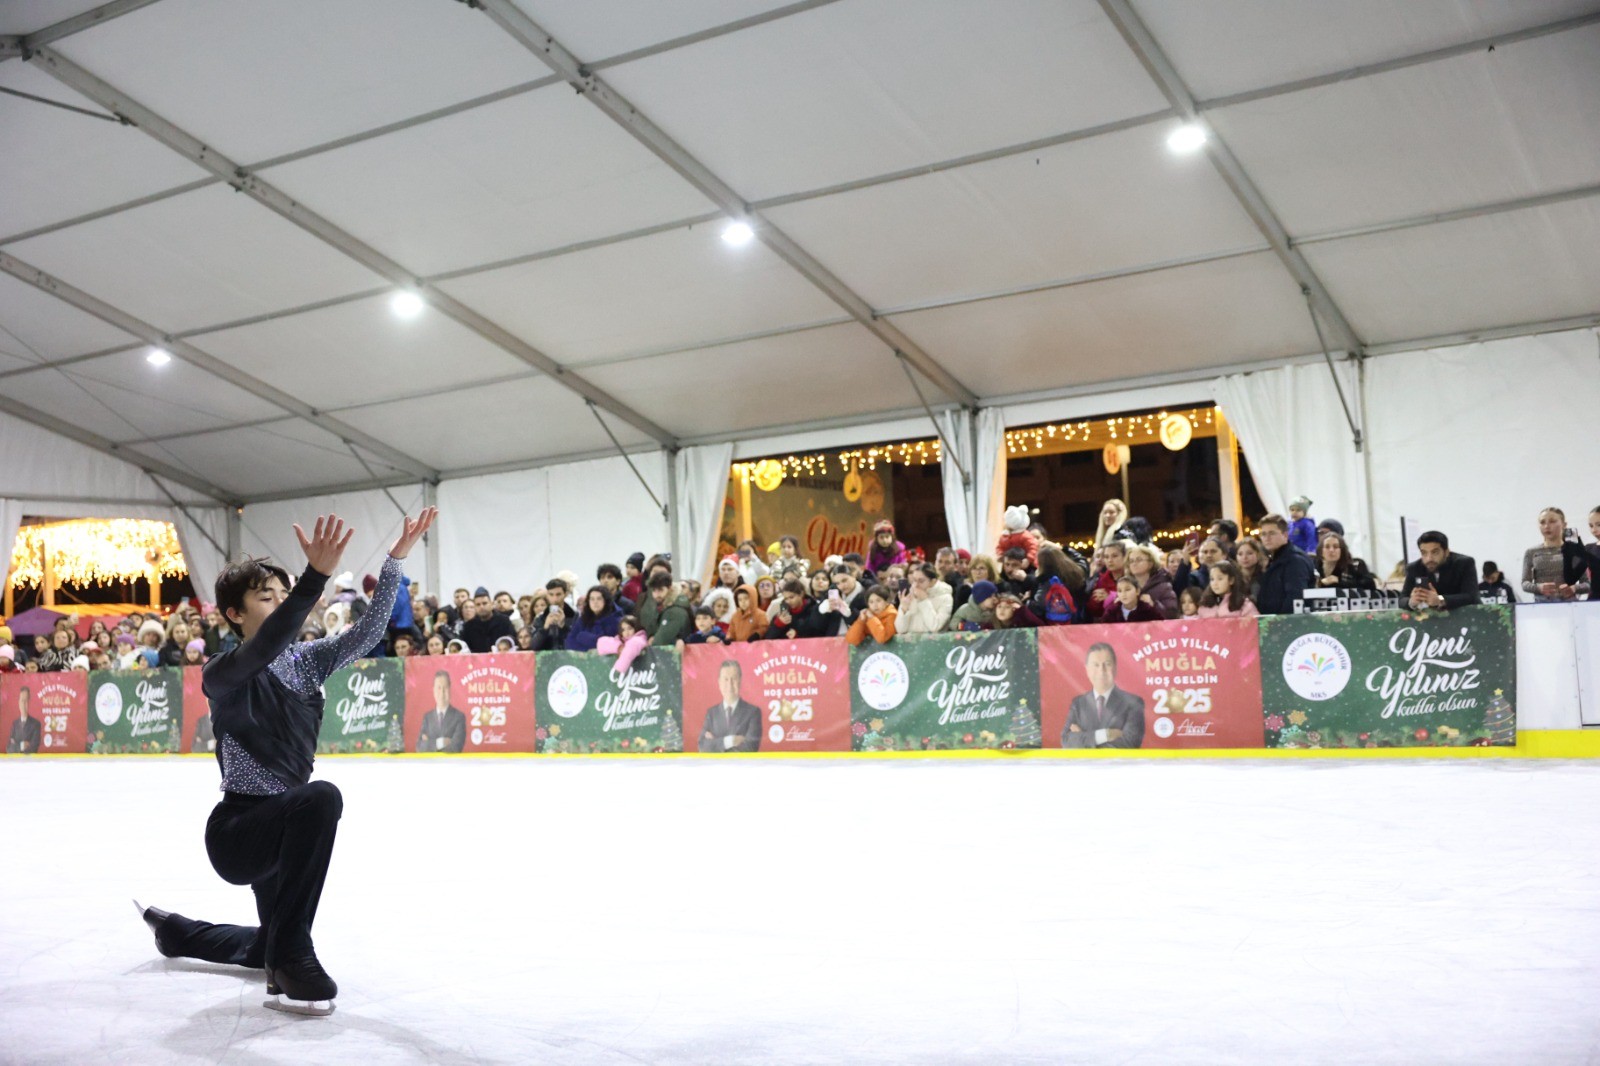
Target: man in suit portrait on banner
(1106, 716)
(444, 728)
(25, 731)
(733, 723)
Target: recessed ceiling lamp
(1187, 138)
(738, 234)
(158, 357)
(406, 304)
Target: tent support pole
(629, 460)
(1355, 430)
(905, 364)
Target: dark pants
(279, 846)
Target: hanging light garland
(96, 551)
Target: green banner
(583, 705)
(1390, 679)
(955, 690)
(364, 708)
(135, 711)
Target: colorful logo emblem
(884, 682)
(568, 691)
(1316, 667)
(108, 704)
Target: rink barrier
(1382, 684)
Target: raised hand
(326, 544)
(415, 528)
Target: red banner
(44, 713)
(470, 703)
(785, 695)
(197, 735)
(1184, 684)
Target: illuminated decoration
(852, 484)
(1176, 432)
(1094, 434)
(1114, 457)
(768, 474)
(96, 551)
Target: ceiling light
(1187, 138)
(406, 304)
(158, 357)
(738, 234)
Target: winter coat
(1141, 613)
(880, 628)
(585, 636)
(783, 569)
(1159, 588)
(1222, 610)
(1021, 538)
(929, 615)
(749, 624)
(752, 570)
(880, 559)
(668, 623)
(1303, 534)
(1287, 576)
(805, 623)
(969, 617)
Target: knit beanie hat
(81, 662)
(344, 581)
(5, 635)
(636, 560)
(883, 526)
(480, 591)
(983, 590)
(8, 653)
(125, 638)
(195, 645)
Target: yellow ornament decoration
(852, 483)
(1176, 432)
(768, 474)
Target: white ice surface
(678, 911)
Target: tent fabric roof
(990, 180)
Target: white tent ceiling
(984, 186)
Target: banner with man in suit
(768, 695)
(470, 703)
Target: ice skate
(154, 917)
(301, 986)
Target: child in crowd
(1302, 528)
(629, 642)
(749, 621)
(1127, 607)
(886, 550)
(194, 653)
(877, 621)
(706, 629)
(1228, 595)
(789, 562)
(1189, 601)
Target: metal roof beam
(193, 149)
(182, 349)
(15, 46)
(1150, 53)
(553, 54)
(25, 413)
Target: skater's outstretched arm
(277, 631)
(333, 653)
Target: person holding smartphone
(1441, 579)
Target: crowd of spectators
(891, 591)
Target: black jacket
(1456, 580)
(481, 633)
(806, 622)
(1287, 576)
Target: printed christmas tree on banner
(396, 740)
(1025, 726)
(1499, 720)
(671, 732)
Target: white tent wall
(1475, 439)
(268, 529)
(515, 530)
(1292, 430)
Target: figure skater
(274, 828)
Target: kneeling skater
(274, 828)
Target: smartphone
(833, 594)
(905, 586)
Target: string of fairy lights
(96, 551)
(1125, 429)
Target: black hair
(588, 615)
(882, 592)
(1101, 646)
(791, 539)
(796, 586)
(1016, 554)
(1433, 536)
(632, 622)
(606, 570)
(557, 583)
(855, 557)
(659, 581)
(239, 579)
(703, 611)
(504, 593)
(1228, 527)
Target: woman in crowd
(1225, 597)
(1155, 584)
(1591, 553)
(1252, 560)
(58, 651)
(1114, 563)
(766, 595)
(194, 653)
(797, 617)
(551, 634)
(749, 621)
(598, 618)
(177, 639)
(436, 643)
(526, 612)
(877, 621)
(525, 638)
(1544, 566)
(1113, 513)
(97, 629)
(926, 605)
(1338, 569)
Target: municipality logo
(1316, 667)
(884, 682)
(568, 691)
(108, 704)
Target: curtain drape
(1296, 441)
(974, 511)
(702, 483)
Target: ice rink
(684, 911)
